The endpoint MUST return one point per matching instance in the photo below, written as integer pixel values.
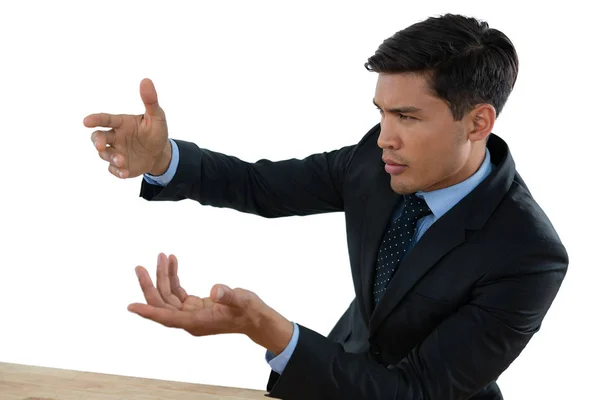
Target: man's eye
(400, 116)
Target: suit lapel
(443, 236)
(380, 204)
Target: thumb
(149, 97)
(223, 294)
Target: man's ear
(481, 121)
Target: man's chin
(400, 186)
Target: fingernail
(95, 143)
(220, 293)
(120, 174)
(158, 260)
(115, 160)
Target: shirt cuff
(279, 363)
(164, 179)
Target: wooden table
(24, 382)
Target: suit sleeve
(266, 188)
(462, 355)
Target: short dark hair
(466, 62)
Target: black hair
(466, 62)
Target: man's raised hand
(134, 144)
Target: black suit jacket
(461, 306)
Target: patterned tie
(396, 242)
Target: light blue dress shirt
(439, 201)
(164, 179)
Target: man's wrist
(162, 165)
(271, 330)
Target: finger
(103, 138)
(149, 97)
(168, 317)
(112, 156)
(238, 298)
(107, 154)
(151, 294)
(223, 294)
(176, 288)
(103, 120)
(162, 282)
(119, 173)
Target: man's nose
(388, 138)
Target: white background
(256, 80)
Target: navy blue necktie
(396, 242)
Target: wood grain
(25, 382)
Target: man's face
(419, 132)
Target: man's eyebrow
(400, 110)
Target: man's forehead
(404, 89)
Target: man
(454, 264)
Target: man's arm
(270, 189)
(464, 353)
(312, 185)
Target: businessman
(454, 264)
